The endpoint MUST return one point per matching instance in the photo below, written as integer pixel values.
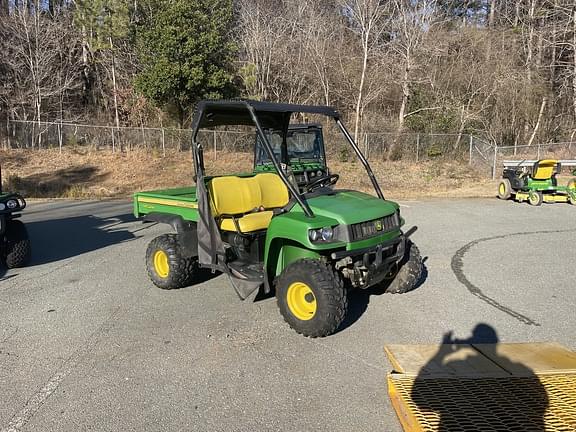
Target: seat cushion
(233, 195)
(544, 169)
(248, 223)
(273, 190)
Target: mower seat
(544, 169)
(244, 204)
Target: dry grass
(100, 174)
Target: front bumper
(368, 266)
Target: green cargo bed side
(177, 201)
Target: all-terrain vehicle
(15, 250)
(536, 182)
(309, 247)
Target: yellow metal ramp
(483, 387)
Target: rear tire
(18, 249)
(410, 271)
(167, 267)
(504, 189)
(311, 298)
(535, 198)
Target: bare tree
(367, 18)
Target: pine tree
(186, 53)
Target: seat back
(273, 190)
(233, 195)
(544, 169)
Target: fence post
(417, 147)
(538, 151)
(470, 139)
(8, 144)
(60, 135)
(113, 142)
(214, 140)
(163, 143)
(495, 161)
(366, 145)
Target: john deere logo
(378, 225)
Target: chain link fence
(417, 147)
(483, 156)
(56, 135)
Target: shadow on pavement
(477, 401)
(57, 239)
(358, 299)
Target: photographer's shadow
(476, 395)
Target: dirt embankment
(102, 174)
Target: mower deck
(488, 387)
(549, 198)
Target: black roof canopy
(237, 112)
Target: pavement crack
(457, 265)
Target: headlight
(2, 206)
(12, 204)
(319, 173)
(325, 234)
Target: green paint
(290, 253)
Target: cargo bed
(178, 201)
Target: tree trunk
(85, 63)
(535, 130)
(116, 117)
(361, 87)
(492, 14)
(4, 7)
(574, 62)
(405, 94)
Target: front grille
(374, 227)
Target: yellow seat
(239, 200)
(544, 169)
(248, 223)
(273, 190)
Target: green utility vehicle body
(290, 240)
(15, 250)
(280, 228)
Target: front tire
(17, 246)
(410, 271)
(504, 189)
(535, 198)
(311, 298)
(167, 267)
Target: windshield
(303, 145)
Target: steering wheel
(323, 181)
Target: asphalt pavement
(88, 343)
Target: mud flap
(243, 287)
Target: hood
(350, 207)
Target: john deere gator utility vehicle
(310, 247)
(535, 182)
(15, 248)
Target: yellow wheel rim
(502, 189)
(161, 266)
(301, 301)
